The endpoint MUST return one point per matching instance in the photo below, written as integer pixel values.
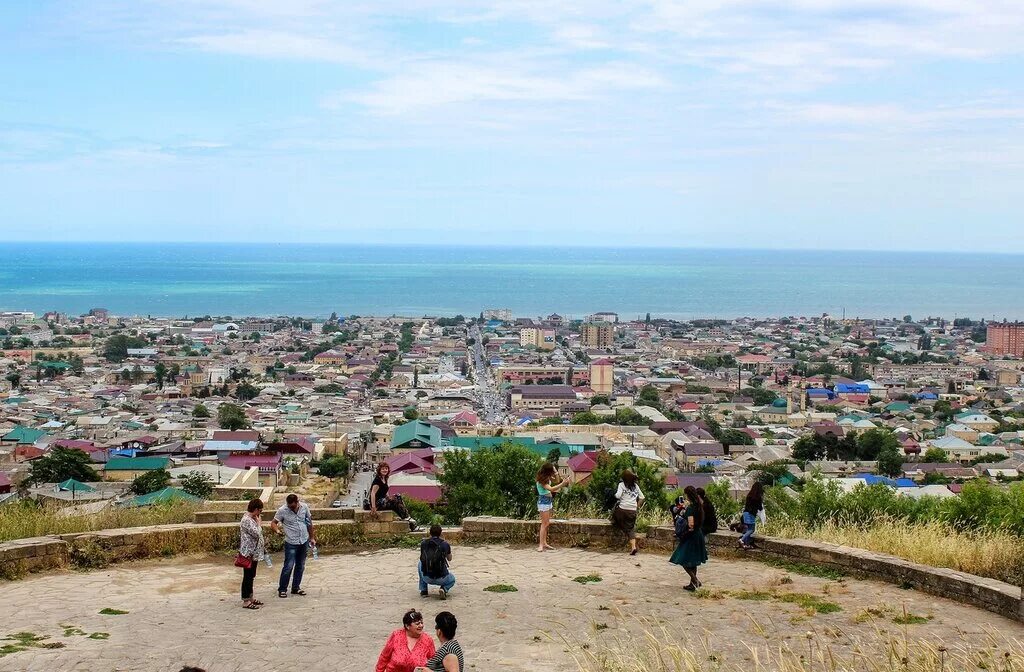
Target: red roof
(245, 435)
(80, 444)
(425, 493)
(584, 462)
(5, 480)
(602, 362)
(246, 461)
(414, 462)
(466, 417)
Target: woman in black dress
(692, 549)
(381, 501)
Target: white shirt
(628, 499)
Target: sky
(867, 124)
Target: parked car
(336, 504)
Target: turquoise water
(314, 280)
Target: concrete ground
(186, 611)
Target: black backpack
(432, 557)
(610, 500)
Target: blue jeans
(750, 520)
(294, 557)
(446, 582)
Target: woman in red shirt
(408, 647)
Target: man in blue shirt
(295, 522)
(435, 554)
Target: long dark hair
(546, 473)
(629, 479)
(698, 506)
(755, 498)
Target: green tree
(410, 414)
(246, 391)
(935, 455)
(890, 461)
(232, 417)
(599, 399)
(160, 371)
(608, 472)
(151, 481)
(734, 437)
(586, 418)
(809, 448)
(200, 411)
(872, 443)
(334, 466)
(554, 455)
(197, 484)
(761, 396)
(115, 349)
(60, 464)
(14, 379)
(491, 481)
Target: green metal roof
(76, 486)
(164, 496)
(477, 442)
(23, 435)
(137, 463)
(416, 430)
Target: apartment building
(598, 335)
(1005, 339)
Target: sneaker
(690, 587)
(444, 594)
(413, 525)
(424, 593)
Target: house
(129, 468)
(419, 461)
(415, 435)
(268, 464)
(541, 397)
(21, 436)
(977, 421)
(581, 467)
(5, 484)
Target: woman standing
(692, 550)
(407, 648)
(753, 508)
(545, 501)
(379, 499)
(628, 499)
(253, 548)
(449, 655)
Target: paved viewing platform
(186, 611)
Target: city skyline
(808, 125)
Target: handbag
(243, 561)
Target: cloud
(278, 45)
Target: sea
(314, 280)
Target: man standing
(435, 554)
(297, 524)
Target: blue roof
(926, 395)
(854, 388)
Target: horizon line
(247, 243)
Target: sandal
(298, 592)
(282, 593)
(251, 605)
(257, 603)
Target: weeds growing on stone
(22, 641)
(804, 568)
(28, 519)
(107, 611)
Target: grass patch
(756, 595)
(73, 631)
(107, 611)
(100, 635)
(589, 578)
(907, 618)
(27, 519)
(501, 588)
(22, 641)
(805, 569)
(708, 594)
(809, 602)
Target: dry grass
(19, 521)
(657, 649)
(995, 554)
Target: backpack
(682, 526)
(610, 500)
(435, 564)
(710, 518)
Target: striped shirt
(449, 648)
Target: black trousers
(248, 577)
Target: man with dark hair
(295, 522)
(435, 554)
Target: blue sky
(872, 124)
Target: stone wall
(990, 594)
(204, 517)
(98, 549)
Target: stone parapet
(205, 517)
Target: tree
(599, 399)
(60, 464)
(761, 396)
(496, 481)
(416, 376)
(935, 455)
(14, 379)
(232, 417)
(116, 347)
(334, 466)
(554, 455)
(151, 481)
(874, 442)
(200, 411)
(890, 461)
(410, 414)
(608, 472)
(734, 437)
(198, 484)
(810, 447)
(246, 391)
(160, 371)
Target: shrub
(334, 466)
(497, 481)
(606, 475)
(151, 481)
(198, 484)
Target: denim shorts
(545, 503)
